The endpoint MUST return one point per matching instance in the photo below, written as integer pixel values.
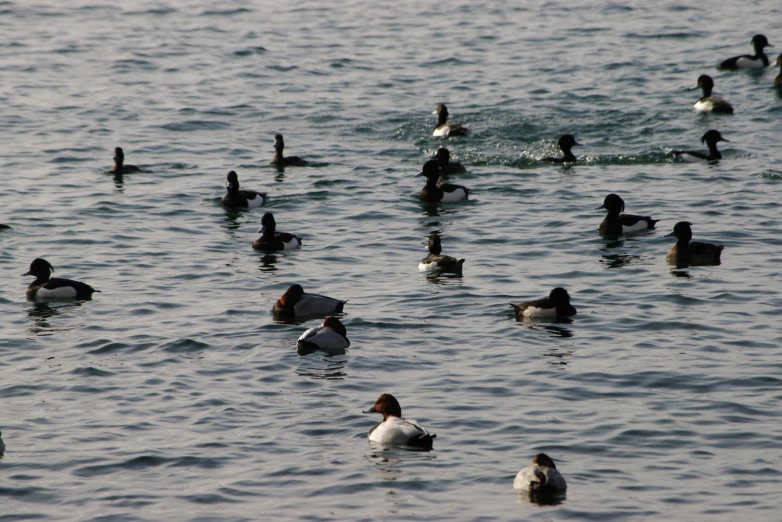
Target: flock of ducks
(541, 476)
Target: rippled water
(174, 395)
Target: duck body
(297, 303)
(2, 444)
(541, 476)
(709, 103)
(439, 263)
(46, 287)
(396, 431)
(443, 157)
(691, 253)
(444, 192)
(236, 198)
(557, 304)
(746, 61)
(565, 143)
(331, 337)
(710, 139)
(778, 79)
(284, 161)
(616, 224)
(445, 129)
(273, 241)
(119, 163)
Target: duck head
(443, 157)
(292, 295)
(759, 42)
(682, 231)
(711, 138)
(119, 156)
(40, 268)
(559, 296)
(544, 461)
(566, 142)
(431, 171)
(706, 84)
(386, 405)
(232, 182)
(434, 244)
(268, 224)
(614, 204)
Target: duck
(282, 161)
(557, 304)
(119, 163)
(778, 79)
(443, 157)
(692, 253)
(541, 476)
(45, 287)
(236, 198)
(745, 61)
(616, 223)
(435, 262)
(296, 303)
(271, 240)
(330, 337)
(444, 129)
(2, 444)
(710, 139)
(445, 192)
(708, 103)
(565, 143)
(395, 431)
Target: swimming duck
(296, 303)
(708, 103)
(45, 287)
(445, 192)
(434, 261)
(271, 240)
(443, 129)
(282, 161)
(565, 143)
(778, 79)
(119, 163)
(710, 139)
(541, 476)
(331, 337)
(616, 223)
(443, 157)
(396, 431)
(2, 444)
(557, 304)
(241, 198)
(692, 253)
(746, 61)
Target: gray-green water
(173, 394)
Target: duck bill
(370, 410)
(262, 230)
(601, 207)
(27, 273)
